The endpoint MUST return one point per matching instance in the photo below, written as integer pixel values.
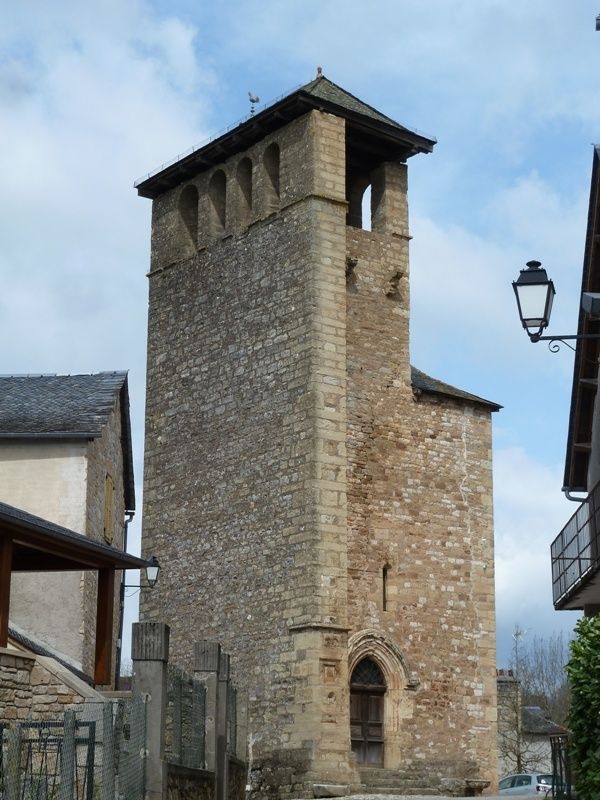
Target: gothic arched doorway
(367, 692)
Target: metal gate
(43, 760)
(561, 769)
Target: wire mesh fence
(99, 750)
(231, 718)
(186, 719)
(94, 752)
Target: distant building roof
(67, 407)
(368, 131)
(535, 721)
(425, 383)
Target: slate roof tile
(425, 383)
(67, 407)
(58, 405)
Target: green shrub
(583, 670)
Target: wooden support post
(5, 571)
(104, 626)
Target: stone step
(395, 781)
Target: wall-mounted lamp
(535, 293)
(152, 569)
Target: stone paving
(413, 797)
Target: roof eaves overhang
(39, 545)
(127, 449)
(587, 352)
(66, 435)
(398, 143)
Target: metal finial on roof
(319, 72)
(254, 99)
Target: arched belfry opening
(217, 192)
(188, 210)
(364, 192)
(271, 162)
(244, 181)
(367, 697)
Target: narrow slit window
(385, 573)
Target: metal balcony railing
(575, 552)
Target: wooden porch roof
(32, 544)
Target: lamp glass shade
(534, 292)
(152, 571)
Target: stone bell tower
(317, 506)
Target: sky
(96, 95)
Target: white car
(530, 783)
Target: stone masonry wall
(32, 687)
(245, 449)
(419, 506)
(104, 457)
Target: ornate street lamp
(535, 292)
(152, 571)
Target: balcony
(575, 557)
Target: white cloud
(529, 514)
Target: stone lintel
(318, 626)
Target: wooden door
(367, 694)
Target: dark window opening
(385, 573)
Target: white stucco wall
(46, 478)
(49, 479)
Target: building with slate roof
(66, 456)
(319, 507)
(523, 731)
